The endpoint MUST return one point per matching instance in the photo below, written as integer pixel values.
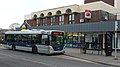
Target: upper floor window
(52, 20)
(71, 19)
(61, 20)
(105, 16)
(38, 22)
(45, 22)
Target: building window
(52, 21)
(71, 18)
(38, 22)
(105, 16)
(45, 22)
(61, 20)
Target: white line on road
(73, 58)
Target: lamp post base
(115, 58)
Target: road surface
(9, 58)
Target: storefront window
(69, 37)
(74, 39)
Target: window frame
(71, 19)
(52, 20)
(44, 21)
(61, 19)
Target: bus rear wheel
(34, 50)
(13, 47)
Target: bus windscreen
(57, 38)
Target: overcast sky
(13, 11)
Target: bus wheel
(13, 47)
(34, 50)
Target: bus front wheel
(34, 50)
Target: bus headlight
(50, 48)
(64, 47)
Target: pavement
(95, 56)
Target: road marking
(73, 58)
(39, 62)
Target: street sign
(88, 14)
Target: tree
(13, 26)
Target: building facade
(110, 2)
(100, 28)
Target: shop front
(74, 39)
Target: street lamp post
(116, 40)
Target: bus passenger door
(43, 46)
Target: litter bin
(108, 50)
(84, 48)
(108, 44)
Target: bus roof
(32, 32)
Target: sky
(13, 11)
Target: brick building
(78, 28)
(110, 2)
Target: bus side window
(38, 39)
(44, 39)
(10, 38)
